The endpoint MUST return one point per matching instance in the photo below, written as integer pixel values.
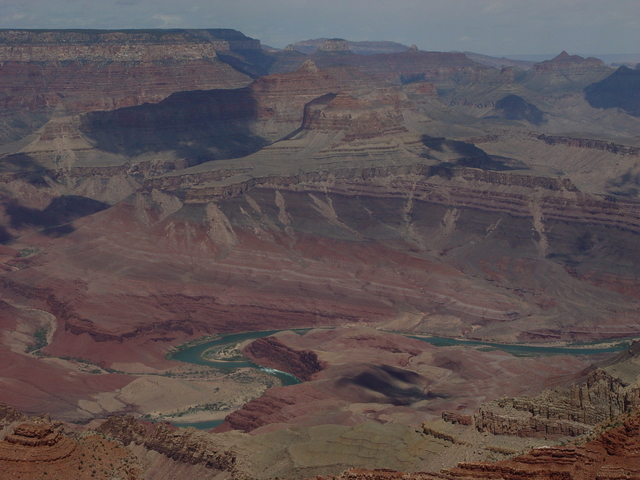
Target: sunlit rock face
(166, 188)
(84, 70)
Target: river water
(194, 355)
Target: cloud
(167, 21)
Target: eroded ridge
(35, 442)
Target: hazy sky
(484, 26)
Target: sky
(492, 27)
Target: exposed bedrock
(445, 69)
(270, 352)
(590, 143)
(561, 412)
(39, 449)
(374, 376)
(220, 122)
(611, 456)
(42, 69)
(184, 446)
(565, 73)
(506, 256)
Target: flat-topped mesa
(86, 70)
(335, 45)
(120, 45)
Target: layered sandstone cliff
(182, 445)
(85, 70)
(613, 455)
(38, 450)
(569, 411)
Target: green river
(194, 355)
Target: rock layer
(99, 70)
(270, 352)
(613, 455)
(562, 412)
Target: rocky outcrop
(469, 188)
(358, 119)
(101, 70)
(33, 435)
(565, 73)
(183, 445)
(44, 45)
(457, 418)
(380, 474)
(568, 411)
(270, 352)
(613, 455)
(33, 442)
(620, 90)
(615, 148)
(222, 123)
(40, 449)
(9, 414)
(360, 48)
(334, 45)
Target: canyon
(160, 187)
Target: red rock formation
(9, 414)
(454, 417)
(33, 435)
(393, 376)
(37, 450)
(126, 68)
(182, 445)
(30, 443)
(562, 412)
(270, 352)
(412, 65)
(614, 455)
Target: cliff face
(565, 73)
(184, 446)
(119, 45)
(611, 456)
(102, 70)
(569, 411)
(321, 197)
(38, 449)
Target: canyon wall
(571, 411)
(83, 70)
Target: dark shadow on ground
(55, 219)
(204, 125)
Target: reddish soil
(392, 378)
